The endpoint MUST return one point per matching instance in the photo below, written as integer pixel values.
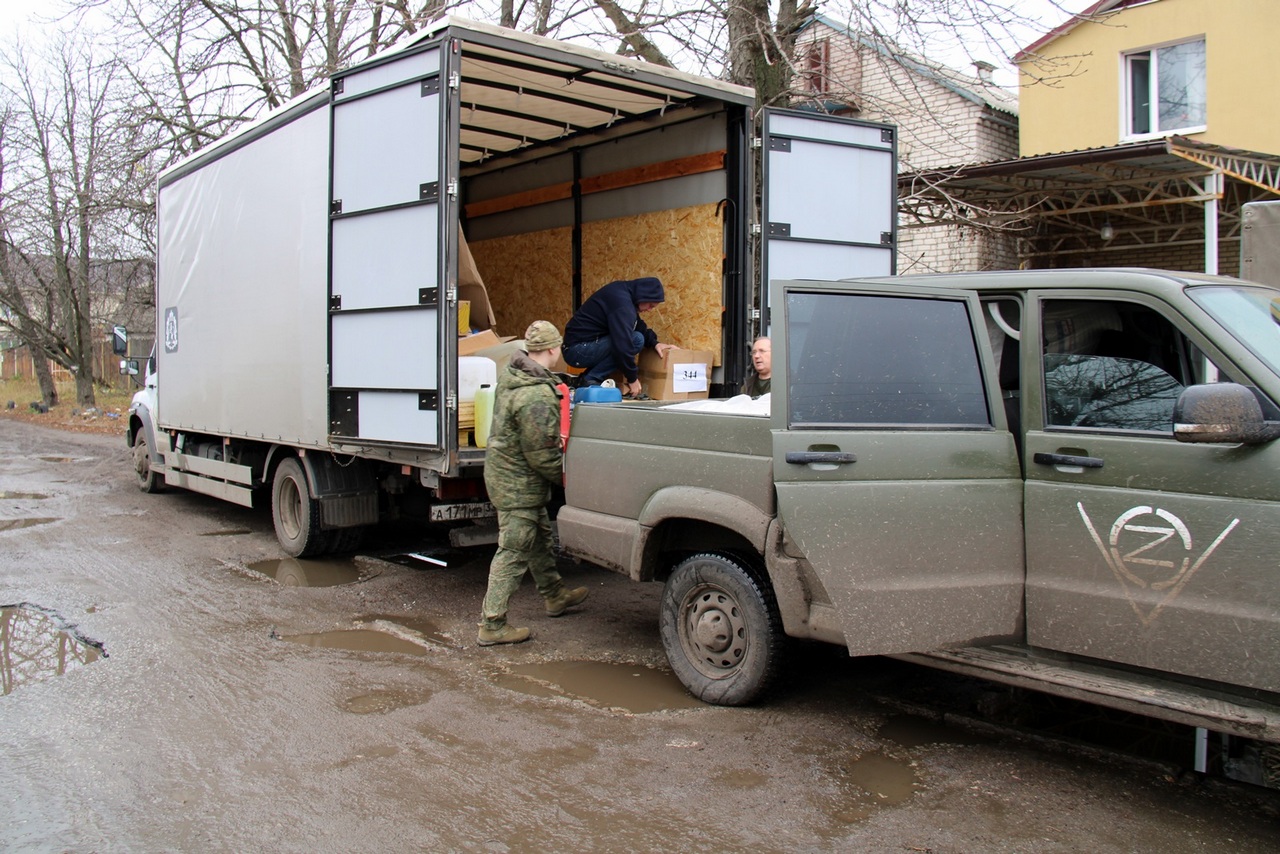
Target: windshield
(1252, 315)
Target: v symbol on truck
(1133, 553)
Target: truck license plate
(453, 512)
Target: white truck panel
(242, 288)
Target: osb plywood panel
(683, 248)
(529, 277)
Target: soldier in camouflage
(522, 462)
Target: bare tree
(68, 191)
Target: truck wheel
(295, 513)
(721, 630)
(148, 481)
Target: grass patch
(23, 391)
(103, 417)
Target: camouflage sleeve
(540, 436)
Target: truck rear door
(829, 206)
(896, 477)
(387, 303)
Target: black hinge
(339, 85)
(335, 302)
(428, 400)
(344, 413)
(431, 86)
(779, 229)
(886, 134)
(335, 207)
(779, 143)
(428, 296)
(886, 238)
(429, 192)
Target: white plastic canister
(473, 372)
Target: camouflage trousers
(524, 545)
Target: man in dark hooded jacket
(606, 333)
(522, 462)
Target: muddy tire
(148, 480)
(721, 629)
(295, 514)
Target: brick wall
(937, 127)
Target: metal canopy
(522, 95)
(1155, 193)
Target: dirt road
(233, 711)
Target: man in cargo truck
(761, 376)
(606, 333)
(522, 462)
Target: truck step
(1115, 689)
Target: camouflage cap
(541, 335)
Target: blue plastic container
(597, 394)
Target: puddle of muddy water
(234, 532)
(35, 496)
(630, 687)
(358, 640)
(34, 646)
(295, 572)
(381, 701)
(18, 524)
(415, 625)
(868, 782)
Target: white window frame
(1126, 92)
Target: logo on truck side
(1133, 552)
(171, 330)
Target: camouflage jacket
(524, 455)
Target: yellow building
(1132, 70)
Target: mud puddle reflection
(34, 645)
(630, 687)
(327, 572)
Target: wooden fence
(17, 363)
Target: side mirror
(1221, 413)
(128, 367)
(119, 341)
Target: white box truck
(308, 286)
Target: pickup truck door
(896, 477)
(1141, 549)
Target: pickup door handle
(1068, 460)
(800, 458)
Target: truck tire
(295, 514)
(721, 629)
(148, 480)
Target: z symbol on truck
(1133, 552)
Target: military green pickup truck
(1064, 480)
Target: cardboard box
(471, 288)
(469, 345)
(680, 375)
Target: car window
(866, 359)
(1114, 365)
